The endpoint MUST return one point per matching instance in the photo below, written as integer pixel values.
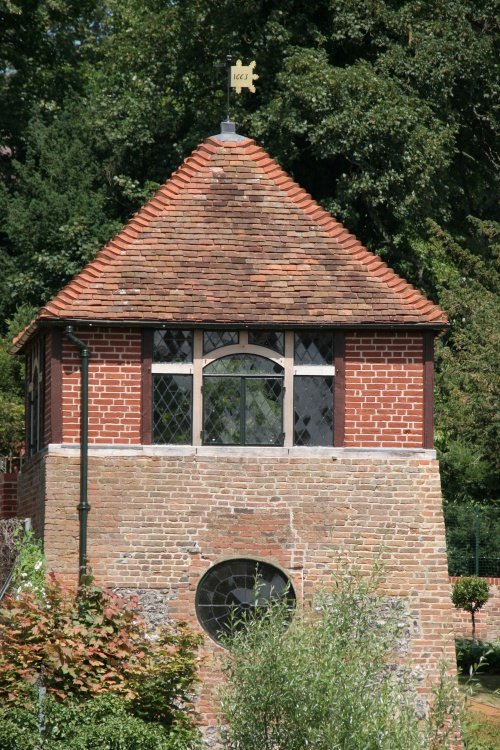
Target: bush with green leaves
(30, 567)
(329, 679)
(89, 646)
(470, 593)
(474, 655)
(102, 723)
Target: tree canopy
(384, 110)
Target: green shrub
(328, 681)
(474, 655)
(470, 593)
(88, 645)
(102, 723)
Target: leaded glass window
(173, 345)
(243, 401)
(216, 339)
(314, 348)
(234, 589)
(313, 410)
(35, 385)
(203, 398)
(172, 410)
(269, 339)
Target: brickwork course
(231, 240)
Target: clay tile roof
(230, 238)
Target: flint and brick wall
(159, 522)
(161, 516)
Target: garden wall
(8, 495)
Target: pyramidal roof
(231, 239)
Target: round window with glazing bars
(234, 589)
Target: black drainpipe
(83, 507)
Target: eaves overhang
(20, 343)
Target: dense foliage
(386, 112)
(477, 655)
(81, 671)
(90, 644)
(102, 723)
(329, 678)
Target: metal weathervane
(242, 76)
(239, 77)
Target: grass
(481, 729)
(480, 733)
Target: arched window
(243, 401)
(243, 387)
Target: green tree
(54, 218)
(471, 594)
(468, 386)
(40, 52)
(12, 385)
(325, 679)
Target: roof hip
(231, 234)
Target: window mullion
(197, 384)
(288, 396)
(243, 409)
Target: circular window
(234, 587)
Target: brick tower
(260, 397)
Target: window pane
(263, 411)
(222, 411)
(313, 410)
(172, 345)
(215, 339)
(172, 398)
(269, 339)
(314, 348)
(243, 364)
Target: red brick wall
(384, 390)
(487, 619)
(158, 522)
(114, 386)
(8, 495)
